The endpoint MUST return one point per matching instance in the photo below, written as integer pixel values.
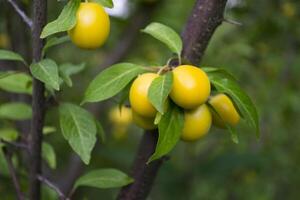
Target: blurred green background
(263, 54)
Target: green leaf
(79, 128)
(166, 35)
(49, 155)
(17, 83)
(100, 130)
(10, 55)
(111, 81)
(65, 21)
(15, 111)
(51, 42)
(48, 129)
(105, 3)
(46, 71)
(226, 84)
(68, 69)
(8, 134)
(104, 178)
(159, 91)
(169, 128)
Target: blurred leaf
(100, 130)
(7, 73)
(68, 69)
(51, 42)
(111, 81)
(46, 71)
(105, 3)
(79, 128)
(48, 129)
(169, 128)
(159, 91)
(65, 21)
(49, 155)
(17, 83)
(166, 35)
(10, 55)
(224, 83)
(8, 134)
(15, 111)
(104, 178)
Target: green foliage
(8, 134)
(10, 55)
(15, 111)
(53, 41)
(159, 91)
(67, 70)
(166, 35)
(100, 131)
(226, 84)
(79, 128)
(46, 71)
(105, 3)
(65, 21)
(17, 83)
(49, 155)
(169, 128)
(112, 81)
(104, 178)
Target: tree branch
(38, 101)
(61, 195)
(14, 144)
(12, 172)
(21, 13)
(206, 16)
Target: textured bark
(206, 16)
(38, 102)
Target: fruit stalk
(38, 102)
(206, 16)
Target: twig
(14, 144)
(12, 172)
(21, 13)
(51, 185)
(233, 22)
(38, 102)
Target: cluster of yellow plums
(191, 91)
(92, 26)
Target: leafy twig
(12, 172)
(21, 13)
(51, 185)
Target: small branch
(14, 144)
(44, 180)
(12, 172)
(21, 13)
(233, 22)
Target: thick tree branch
(21, 13)
(206, 16)
(51, 185)
(38, 101)
(13, 174)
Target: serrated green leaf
(111, 81)
(51, 42)
(104, 178)
(17, 83)
(68, 69)
(65, 21)
(159, 91)
(49, 155)
(225, 84)
(105, 3)
(79, 128)
(166, 35)
(8, 134)
(10, 55)
(169, 128)
(46, 71)
(15, 111)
